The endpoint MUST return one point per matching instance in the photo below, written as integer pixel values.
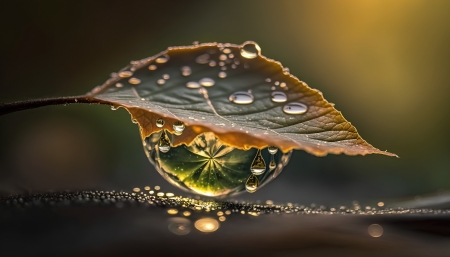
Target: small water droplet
(134, 81)
(233, 66)
(160, 123)
(164, 143)
(162, 59)
(178, 126)
(207, 82)
(231, 56)
(279, 97)
(272, 164)
(226, 51)
(221, 63)
(273, 88)
(202, 59)
(113, 108)
(125, 74)
(282, 84)
(252, 184)
(241, 97)
(295, 108)
(152, 67)
(222, 57)
(195, 43)
(285, 70)
(186, 71)
(258, 165)
(166, 76)
(250, 50)
(277, 83)
(119, 85)
(268, 80)
(192, 84)
(212, 63)
(222, 74)
(161, 81)
(272, 149)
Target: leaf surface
(246, 99)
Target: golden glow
(147, 188)
(207, 225)
(380, 204)
(172, 211)
(136, 189)
(179, 226)
(222, 218)
(220, 213)
(187, 213)
(375, 230)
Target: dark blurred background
(385, 64)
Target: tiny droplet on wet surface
(222, 74)
(258, 166)
(161, 81)
(162, 59)
(272, 149)
(202, 59)
(252, 183)
(119, 85)
(152, 67)
(207, 82)
(166, 76)
(250, 50)
(125, 74)
(186, 71)
(279, 97)
(226, 51)
(241, 97)
(160, 123)
(295, 108)
(192, 84)
(134, 81)
(178, 126)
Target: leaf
(246, 99)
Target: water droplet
(160, 123)
(226, 51)
(207, 82)
(134, 81)
(268, 80)
(125, 74)
(295, 108)
(202, 59)
(113, 108)
(233, 66)
(212, 63)
(272, 150)
(164, 143)
(222, 74)
(186, 71)
(272, 164)
(252, 184)
(282, 84)
(277, 83)
(119, 85)
(178, 126)
(192, 84)
(250, 50)
(166, 76)
(161, 81)
(152, 67)
(231, 56)
(222, 57)
(286, 71)
(221, 63)
(195, 43)
(162, 59)
(207, 225)
(279, 97)
(258, 165)
(241, 97)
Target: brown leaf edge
(230, 136)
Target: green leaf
(246, 99)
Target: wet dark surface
(92, 223)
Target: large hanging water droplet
(258, 165)
(186, 71)
(162, 59)
(279, 97)
(250, 50)
(272, 164)
(295, 108)
(178, 126)
(241, 97)
(252, 184)
(272, 149)
(207, 82)
(164, 143)
(160, 123)
(192, 84)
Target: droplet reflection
(207, 225)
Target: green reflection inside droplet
(209, 167)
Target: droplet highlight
(295, 108)
(125, 74)
(186, 71)
(207, 82)
(160, 123)
(152, 67)
(134, 81)
(222, 74)
(272, 150)
(178, 126)
(250, 50)
(258, 166)
(252, 184)
(161, 81)
(164, 143)
(162, 59)
(192, 84)
(241, 97)
(279, 97)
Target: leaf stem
(6, 108)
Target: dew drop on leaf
(295, 108)
(186, 71)
(162, 59)
(192, 84)
(252, 184)
(279, 97)
(125, 74)
(241, 98)
(134, 81)
(250, 50)
(160, 123)
(272, 149)
(207, 82)
(178, 126)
